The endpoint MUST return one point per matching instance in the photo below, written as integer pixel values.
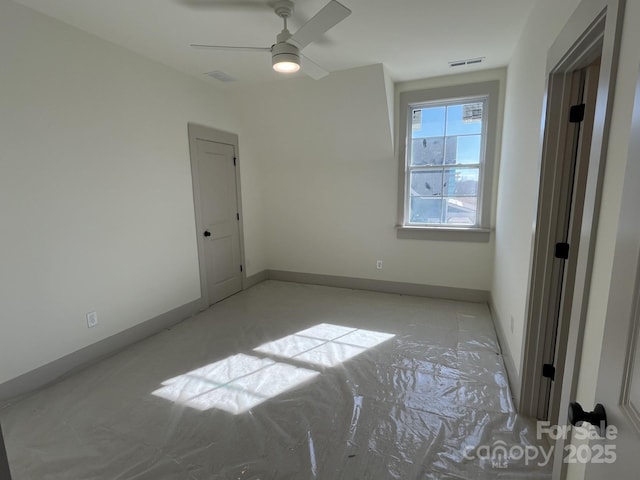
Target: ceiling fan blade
(330, 15)
(231, 48)
(312, 69)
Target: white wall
(330, 184)
(95, 188)
(520, 169)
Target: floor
(288, 381)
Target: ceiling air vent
(218, 75)
(469, 61)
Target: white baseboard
(507, 355)
(383, 286)
(255, 279)
(79, 359)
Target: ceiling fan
(285, 53)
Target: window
(447, 159)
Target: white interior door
(219, 218)
(618, 387)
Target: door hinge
(549, 371)
(241, 268)
(237, 216)
(576, 113)
(234, 160)
(562, 250)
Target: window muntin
(444, 162)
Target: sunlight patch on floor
(241, 382)
(325, 345)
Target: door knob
(207, 233)
(597, 418)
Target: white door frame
(200, 132)
(593, 30)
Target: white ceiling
(412, 38)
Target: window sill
(450, 234)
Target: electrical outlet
(379, 264)
(92, 319)
(512, 322)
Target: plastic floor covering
(287, 381)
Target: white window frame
(487, 91)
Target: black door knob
(597, 418)
(207, 233)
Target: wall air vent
(469, 61)
(218, 75)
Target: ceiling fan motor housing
(285, 52)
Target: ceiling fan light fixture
(286, 67)
(285, 58)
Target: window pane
(468, 149)
(425, 210)
(461, 181)
(426, 184)
(461, 210)
(451, 150)
(427, 122)
(463, 120)
(427, 151)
